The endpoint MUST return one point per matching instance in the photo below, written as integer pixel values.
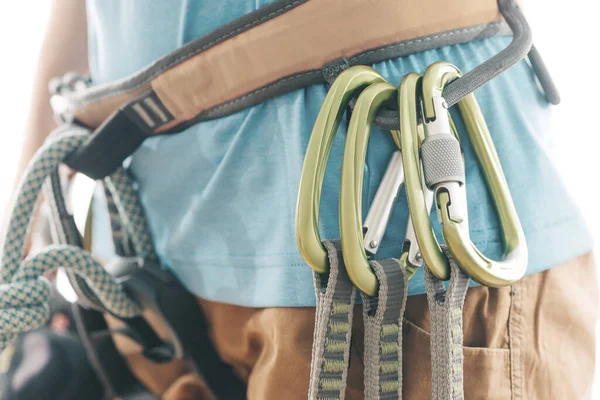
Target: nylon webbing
(446, 308)
(383, 316)
(333, 328)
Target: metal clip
(380, 211)
(349, 82)
(383, 202)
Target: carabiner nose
(448, 183)
(328, 120)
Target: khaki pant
(532, 340)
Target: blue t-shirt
(220, 197)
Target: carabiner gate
(380, 211)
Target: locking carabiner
(347, 84)
(410, 137)
(447, 180)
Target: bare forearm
(64, 49)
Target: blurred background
(566, 34)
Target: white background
(566, 32)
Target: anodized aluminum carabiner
(379, 213)
(355, 149)
(347, 84)
(431, 252)
(354, 234)
(451, 203)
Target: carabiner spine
(357, 139)
(328, 120)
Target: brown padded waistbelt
(279, 48)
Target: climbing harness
(215, 76)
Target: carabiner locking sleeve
(350, 82)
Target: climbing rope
(23, 289)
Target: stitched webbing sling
(333, 330)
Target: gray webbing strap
(383, 331)
(333, 328)
(446, 308)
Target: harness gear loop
(353, 233)
(328, 120)
(447, 181)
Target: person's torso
(220, 197)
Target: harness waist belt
(279, 48)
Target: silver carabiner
(380, 211)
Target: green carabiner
(431, 252)
(347, 84)
(353, 232)
(355, 149)
(447, 182)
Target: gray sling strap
(333, 328)
(446, 309)
(383, 331)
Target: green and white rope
(130, 213)
(23, 290)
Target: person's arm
(64, 49)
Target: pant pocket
(486, 370)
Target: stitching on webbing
(249, 25)
(353, 58)
(429, 38)
(257, 91)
